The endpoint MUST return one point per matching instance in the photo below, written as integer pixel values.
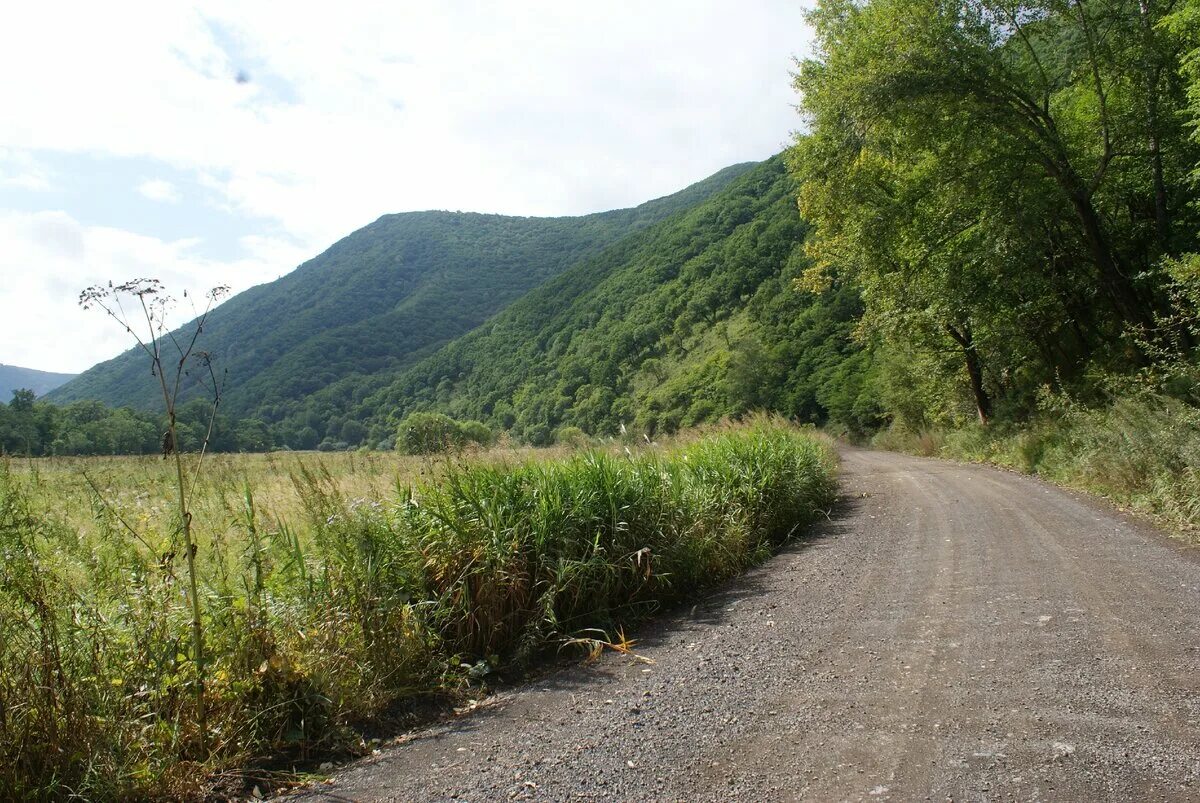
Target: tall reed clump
(315, 624)
(516, 558)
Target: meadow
(334, 587)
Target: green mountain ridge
(683, 322)
(379, 300)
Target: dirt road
(956, 633)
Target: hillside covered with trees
(689, 321)
(986, 224)
(378, 300)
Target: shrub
(476, 432)
(432, 433)
(571, 436)
(316, 626)
(1141, 449)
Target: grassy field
(333, 586)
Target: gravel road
(955, 633)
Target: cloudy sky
(226, 142)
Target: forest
(375, 302)
(1009, 187)
(982, 243)
(682, 321)
(985, 226)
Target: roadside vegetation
(1141, 451)
(333, 587)
(1012, 190)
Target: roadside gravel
(955, 633)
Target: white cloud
(156, 189)
(533, 108)
(19, 169)
(48, 258)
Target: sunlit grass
(1142, 451)
(333, 585)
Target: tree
(22, 401)
(430, 433)
(1000, 179)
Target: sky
(225, 142)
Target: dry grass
(333, 585)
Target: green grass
(332, 590)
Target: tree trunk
(983, 403)
(1116, 283)
(1162, 220)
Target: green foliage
(39, 428)
(1001, 184)
(685, 319)
(357, 602)
(545, 550)
(373, 304)
(688, 321)
(1140, 449)
(573, 437)
(431, 433)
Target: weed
(330, 590)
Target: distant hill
(13, 378)
(381, 299)
(683, 322)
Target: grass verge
(328, 619)
(1140, 451)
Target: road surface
(954, 633)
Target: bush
(476, 432)
(432, 433)
(573, 437)
(1141, 449)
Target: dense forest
(378, 300)
(1006, 185)
(683, 321)
(689, 321)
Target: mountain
(13, 378)
(685, 321)
(379, 300)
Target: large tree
(999, 178)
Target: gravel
(955, 632)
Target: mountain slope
(686, 321)
(380, 299)
(13, 378)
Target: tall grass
(323, 616)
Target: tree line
(1010, 186)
